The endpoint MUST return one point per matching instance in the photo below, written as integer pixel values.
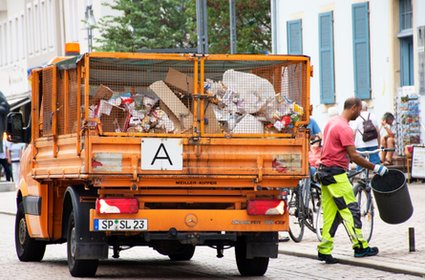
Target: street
(145, 263)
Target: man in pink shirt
(338, 200)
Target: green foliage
(147, 24)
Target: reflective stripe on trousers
(340, 205)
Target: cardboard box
(171, 104)
(102, 93)
(213, 126)
(117, 118)
(179, 80)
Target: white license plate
(120, 224)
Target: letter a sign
(162, 154)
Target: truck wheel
(28, 249)
(183, 255)
(77, 268)
(249, 267)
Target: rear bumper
(201, 220)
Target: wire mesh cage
(254, 96)
(73, 100)
(142, 95)
(47, 95)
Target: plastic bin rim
(393, 191)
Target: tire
(77, 268)
(28, 249)
(319, 222)
(249, 267)
(313, 207)
(184, 255)
(296, 223)
(367, 210)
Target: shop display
(407, 118)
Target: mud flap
(262, 245)
(90, 245)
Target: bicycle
(303, 203)
(363, 192)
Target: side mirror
(15, 127)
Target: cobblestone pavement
(392, 241)
(296, 261)
(145, 263)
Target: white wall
(420, 21)
(32, 32)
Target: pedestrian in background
(387, 137)
(15, 153)
(313, 126)
(338, 200)
(5, 160)
(4, 110)
(357, 127)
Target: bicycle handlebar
(382, 149)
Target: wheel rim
(73, 245)
(22, 233)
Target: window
(360, 18)
(405, 14)
(326, 58)
(294, 34)
(406, 43)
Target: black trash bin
(392, 197)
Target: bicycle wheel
(296, 223)
(319, 221)
(313, 206)
(365, 201)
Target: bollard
(412, 239)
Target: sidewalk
(392, 241)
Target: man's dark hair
(388, 116)
(352, 101)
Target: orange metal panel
(202, 220)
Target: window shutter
(294, 34)
(360, 18)
(326, 58)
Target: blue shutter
(360, 18)
(406, 61)
(294, 34)
(326, 58)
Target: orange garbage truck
(170, 151)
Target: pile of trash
(130, 112)
(247, 103)
(240, 103)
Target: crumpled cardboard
(180, 112)
(102, 93)
(179, 80)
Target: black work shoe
(366, 252)
(327, 258)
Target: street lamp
(90, 23)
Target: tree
(147, 24)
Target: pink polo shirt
(337, 136)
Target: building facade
(373, 50)
(32, 32)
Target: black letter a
(158, 157)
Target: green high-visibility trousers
(340, 205)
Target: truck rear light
(117, 205)
(266, 207)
